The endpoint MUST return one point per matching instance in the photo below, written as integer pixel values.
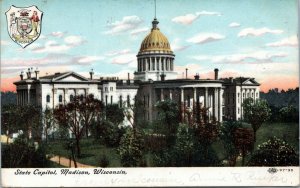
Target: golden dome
(155, 41)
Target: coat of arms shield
(24, 24)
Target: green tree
(289, 114)
(114, 114)
(48, 122)
(227, 130)
(274, 152)
(168, 119)
(131, 148)
(75, 117)
(184, 146)
(256, 113)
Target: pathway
(63, 161)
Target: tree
(227, 131)
(131, 148)
(89, 108)
(274, 152)
(74, 116)
(48, 122)
(256, 113)
(168, 119)
(289, 114)
(114, 114)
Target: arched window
(48, 98)
(60, 98)
(71, 98)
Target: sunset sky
(255, 38)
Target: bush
(131, 148)
(104, 161)
(23, 154)
(274, 152)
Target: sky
(256, 38)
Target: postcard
(149, 93)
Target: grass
(92, 151)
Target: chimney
(162, 77)
(21, 75)
(28, 74)
(216, 74)
(128, 78)
(91, 74)
(37, 73)
(197, 76)
(186, 73)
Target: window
(148, 101)
(111, 88)
(48, 98)
(189, 101)
(144, 100)
(111, 99)
(238, 97)
(121, 101)
(157, 65)
(60, 98)
(71, 97)
(106, 89)
(256, 94)
(153, 65)
(128, 100)
(252, 95)
(106, 99)
(238, 110)
(81, 97)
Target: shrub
(104, 161)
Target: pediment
(70, 77)
(250, 82)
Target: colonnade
(155, 64)
(23, 97)
(212, 99)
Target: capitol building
(154, 80)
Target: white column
(206, 98)
(171, 94)
(195, 96)
(28, 96)
(220, 105)
(162, 94)
(216, 104)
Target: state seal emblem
(24, 24)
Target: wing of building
(154, 80)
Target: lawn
(92, 150)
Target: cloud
(188, 19)
(126, 24)
(234, 24)
(124, 59)
(139, 31)
(86, 59)
(51, 47)
(176, 46)
(57, 34)
(205, 38)
(192, 70)
(74, 40)
(290, 42)
(252, 57)
(258, 32)
(120, 52)
(58, 60)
